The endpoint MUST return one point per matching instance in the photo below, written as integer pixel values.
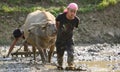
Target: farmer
(17, 33)
(65, 24)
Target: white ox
(40, 32)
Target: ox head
(51, 29)
(45, 29)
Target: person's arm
(77, 22)
(57, 24)
(58, 18)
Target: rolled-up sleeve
(77, 22)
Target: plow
(20, 52)
(24, 50)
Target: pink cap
(73, 6)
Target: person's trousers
(60, 53)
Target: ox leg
(41, 51)
(34, 51)
(45, 53)
(50, 53)
(42, 55)
(26, 48)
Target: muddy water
(102, 66)
(94, 58)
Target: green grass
(87, 7)
(8, 9)
(106, 3)
(97, 6)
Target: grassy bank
(84, 5)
